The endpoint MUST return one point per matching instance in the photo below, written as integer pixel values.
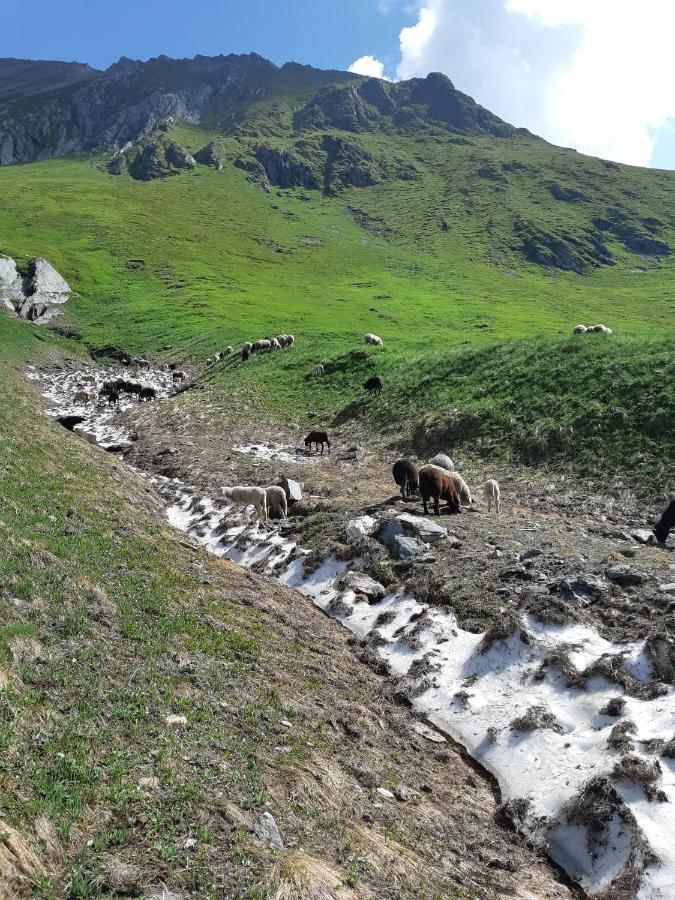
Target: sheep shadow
(351, 411)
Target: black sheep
(406, 477)
(317, 437)
(373, 385)
(666, 523)
(147, 393)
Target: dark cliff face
(56, 109)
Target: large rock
(420, 527)
(361, 583)
(407, 547)
(292, 488)
(10, 282)
(44, 281)
(582, 590)
(267, 831)
(357, 529)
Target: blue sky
(597, 75)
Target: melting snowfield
(576, 729)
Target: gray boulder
(356, 529)
(44, 281)
(266, 830)
(361, 583)
(582, 590)
(10, 281)
(643, 536)
(420, 527)
(292, 488)
(404, 547)
(390, 532)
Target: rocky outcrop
(211, 155)
(38, 295)
(155, 157)
(561, 250)
(284, 168)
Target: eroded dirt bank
(491, 631)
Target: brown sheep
(406, 477)
(317, 437)
(436, 483)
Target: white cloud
(370, 66)
(595, 74)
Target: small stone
(643, 536)
(667, 588)
(286, 723)
(624, 575)
(149, 784)
(387, 794)
(402, 794)
(189, 843)
(429, 733)
(173, 721)
(495, 554)
(532, 553)
(265, 828)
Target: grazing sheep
(461, 485)
(257, 346)
(579, 329)
(317, 437)
(265, 345)
(228, 351)
(147, 393)
(274, 344)
(373, 339)
(248, 496)
(318, 370)
(245, 353)
(133, 388)
(492, 495)
(247, 346)
(113, 397)
(438, 484)
(179, 376)
(606, 330)
(81, 397)
(443, 462)
(406, 477)
(599, 329)
(373, 385)
(290, 340)
(277, 503)
(666, 523)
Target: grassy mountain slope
(331, 208)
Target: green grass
(180, 267)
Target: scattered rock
(532, 553)
(495, 554)
(406, 547)
(624, 575)
(643, 536)
(582, 590)
(292, 488)
(361, 583)
(429, 733)
(387, 794)
(266, 830)
(667, 588)
(359, 528)
(420, 527)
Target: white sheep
(282, 338)
(443, 462)
(318, 370)
(492, 494)
(373, 339)
(274, 344)
(248, 347)
(248, 496)
(579, 329)
(606, 330)
(290, 340)
(277, 503)
(460, 484)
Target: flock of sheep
(590, 329)
(266, 345)
(438, 481)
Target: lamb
(318, 370)
(317, 437)
(373, 339)
(443, 462)
(438, 483)
(579, 329)
(179, 376)
(277, 503)
(248, 496)
(667, 521)
(373, 385)
(492, 494)
(406, 477)
(81, 397)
